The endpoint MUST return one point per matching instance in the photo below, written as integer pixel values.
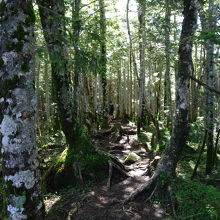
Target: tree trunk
(179, 135)
(77, 58)
(131, 43)
(141, 16)
(47, 93)
(37, 65)
(167, 164)
(167, 79)
(51, 14)
(194, 92)
(210, 81)
(103, 58)
(17, 107)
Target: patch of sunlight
(192, 164)
(181, 175)
(62, 156)
(133, 138)
(131, 123)
(49, 201)
(148, 134)
(137, 172)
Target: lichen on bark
(17, 110)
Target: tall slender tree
(52, 19)
(17, 111)
(133, 57)
(167, 79)
(103, 57)
(142, 35)
(76, 24)
(210, 81)
(167, 164)
(185, 68)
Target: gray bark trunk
(167, 164)
(103, 58)
(142, 15)
(131, 43)
(209, 25)
(77, 59)
(17, 107)
(167, 84)
(179, 135)
(47, 93)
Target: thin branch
(50, 10)
(205, 85)
(200, 154)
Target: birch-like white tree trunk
(210, 81)
(17, 110)
(133, 57)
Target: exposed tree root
(114, 161)
(149, 198)
(149, 187)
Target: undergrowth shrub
(81, 162)
(197, 201)
(196, 130)
(193, 200)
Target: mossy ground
(74, 166)
(194, 200)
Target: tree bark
(51, 14)
(141, 16)
(167, 164)
(167, 79)
(17, 110)
(131, 43)
(103, 58)
(76, 23)
(179, 135)
(210, 81)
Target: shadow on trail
(102, 203)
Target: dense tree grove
(125, 92)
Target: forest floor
(102, 202)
